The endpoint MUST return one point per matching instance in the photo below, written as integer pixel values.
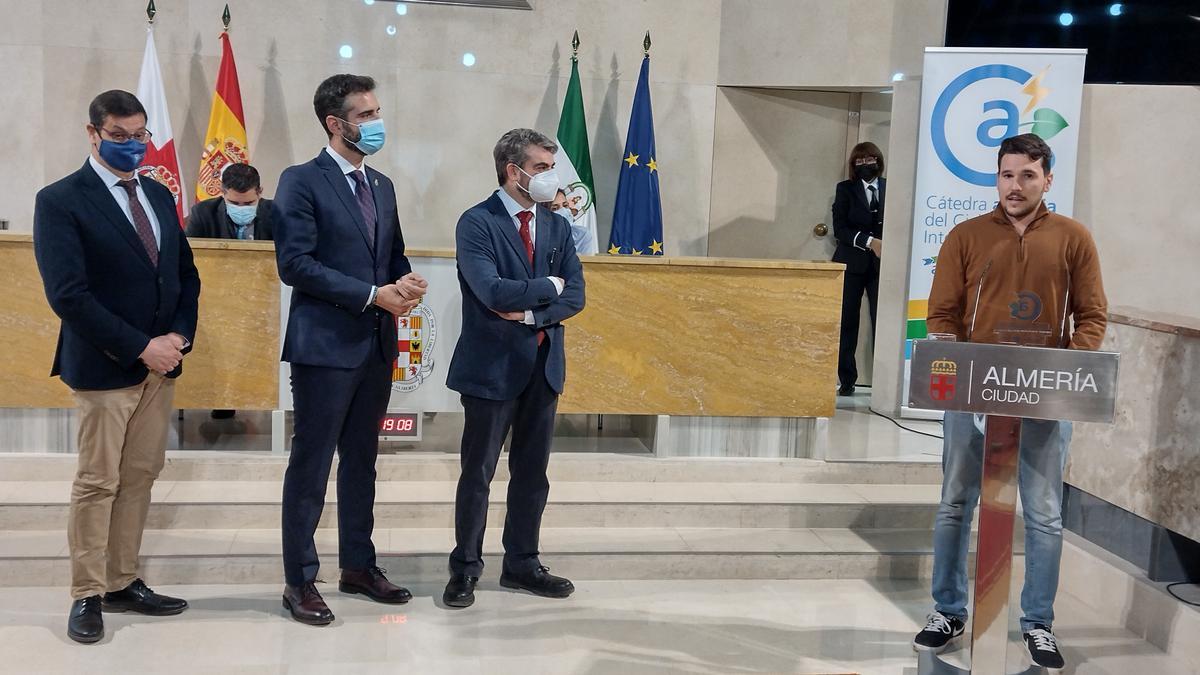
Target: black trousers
(853, 287)
(334, 408)
(531, 418)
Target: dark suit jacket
(100, 282)
(495, 357)
(208, 219)
(324, 253)
(853, 222)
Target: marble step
(39, 558)
(415, 467)
(43, 505)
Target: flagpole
(161, 162)
(646, 44)
(225, 18)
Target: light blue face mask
(241, 215)
(371, 137)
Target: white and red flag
(161, 162)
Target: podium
(1006, 382)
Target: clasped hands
(164, 353)
(403, 296)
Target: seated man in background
(240, 212)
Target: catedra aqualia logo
(1017, 112)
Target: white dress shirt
(347, 168)
(513, 209)
(110, 180)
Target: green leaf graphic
(1047, 123)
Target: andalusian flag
(574, 163)
(161, 162)
(225, 143)
(637, 227)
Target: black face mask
(866, 172)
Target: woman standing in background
(858, 228)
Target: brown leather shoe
(371, 583)
(306, 604)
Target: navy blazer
(324, 253)
(495, 357)
(100, 282)
(853, 222)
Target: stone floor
(818, 626)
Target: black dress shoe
(86, 624)
(538, 581)
(847, 390)
(460, 591)
(371, 583)
(137, 597)
(306, 604)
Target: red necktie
(525, 217)
(141, 221)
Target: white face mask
(565, 213)
(543, 187)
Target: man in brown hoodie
(1013, 275)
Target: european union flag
(637, 216)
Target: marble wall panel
(1148, 460)
(705, 337)
(672, 336)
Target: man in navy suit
(520, 279)
(119, 273)
(858, 228)
(338, 245)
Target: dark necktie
(363, 194)
(141, 221)
(874, 200)
(525, 217)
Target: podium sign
(1015, 381)
(1006, 382)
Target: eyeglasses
(119, 136)
(869, 161)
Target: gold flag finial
(575, 47)
(646, 44)
(150, 12)
(225, 18)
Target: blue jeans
(1043, 455)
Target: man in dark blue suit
(520, 279)
(119, 273)
(338, 245)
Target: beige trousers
(122, 448)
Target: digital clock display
(403, 424)
(400, 426)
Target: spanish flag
(225, 143)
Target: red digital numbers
(404, 424)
